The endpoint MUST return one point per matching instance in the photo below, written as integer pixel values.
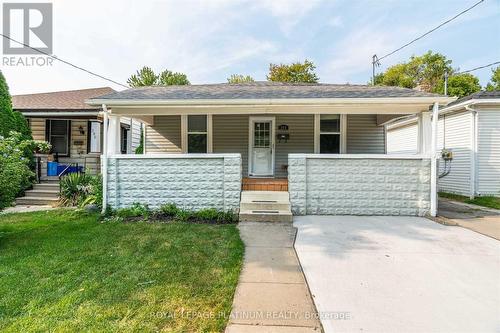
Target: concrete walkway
(486, 221)
(399, 274)
(26, 209)
(272, 295)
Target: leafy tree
(295, 72)
(147, 77)
(460, 85)
(238, 78)
(494, 83)
(168, 78)
(425, 71)
(144, 77)
(10, 120)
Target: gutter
(55, 114)
(271, 101)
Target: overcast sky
(210, 40)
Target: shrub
(15, 173)
(169, 209)
(81, 189)
(136, 210)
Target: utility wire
(67, 62)
(430, 31)
(480, 67)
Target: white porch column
(434, 197)
(113, 135)
(104, 160)
(424, 133)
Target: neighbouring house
(72, 127)
(324, 144)
(470, 129)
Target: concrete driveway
(399, 274)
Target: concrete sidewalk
(483, 220)
(272, 294)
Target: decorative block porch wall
(189, 181)
(353, 185)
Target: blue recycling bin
(52, 168)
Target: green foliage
(460, 85)
(295, 72)
(144, 77)
(140, 147)
(425, 71)
(136, 210)
(10, 120)
(238, 78)
(168, 78)
(147, 77)
(494, 83)
(15, 173)
(81, 189)
(170, 212)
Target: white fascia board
(469, 102)
(275, 101)
(63, 114)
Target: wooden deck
(264, 184)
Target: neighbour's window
(57, 133)
(124, 139)
(329, 134)
(94, 137)
(197, 134)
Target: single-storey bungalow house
(75, 131)
(324, 144)
(470, 129)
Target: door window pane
(330, 123)
(94, 137)
(329, 144)
(262, 135)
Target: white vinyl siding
(165, 135)
(488, 155)
(363, 135)
(457, 138)
(403, 140)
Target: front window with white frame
(197, 134)
(329, 134)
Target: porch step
(265, 206)
(43, 193)
(35, 201)
(50, 180)
(46, 187)
(266, 216)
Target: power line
(430, 31)
(480, 67)
(66, 62)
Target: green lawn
(64, 271)
(491, 202)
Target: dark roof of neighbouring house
(262, 90)
(59, 100)
(479, 95)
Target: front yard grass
(490, 202)
(63, 270)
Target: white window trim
(342, 132)
(184, 133)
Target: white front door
(261, 147)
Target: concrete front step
(266, 216)
(252, 196)
(43, 193)
(264, 205)
(35, 201)
(46, 187)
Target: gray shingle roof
(478, 95)
(262, 90)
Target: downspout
(474, 143)
(434, 123)
(104, 161)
